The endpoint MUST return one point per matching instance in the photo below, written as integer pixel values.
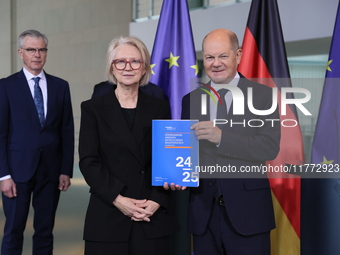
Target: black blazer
(116, 160)
(248, 201)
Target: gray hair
(31, 33)
(133, 41)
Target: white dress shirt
(228, 96)
(42, 84)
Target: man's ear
(20, 53)
(239, 53)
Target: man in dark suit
(36, 146)
(150, 89)
(231, 215)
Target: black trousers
(220, 238)
(137, 245)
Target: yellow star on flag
(195, 67)
(325, 161)
(172, 60)
(328, 68)
(152, 66)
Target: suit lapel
(26, 95)
(196, 105)
(51, 96)
(243, 87)
(146, 111)
(142, 118)
(114, 117)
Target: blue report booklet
(174, 153)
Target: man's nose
(217, 62)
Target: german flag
(264, 56)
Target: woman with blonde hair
(126, 215)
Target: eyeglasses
(32, 51)
(121, 63)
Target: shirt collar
(29, 76)
(233, 82)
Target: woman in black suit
(126, 215)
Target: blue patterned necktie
(39, 100)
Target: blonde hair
(133, 41)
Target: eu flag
(173, 63)
(326, 139)
(321, 197)
(173, 59)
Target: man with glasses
(36, 146)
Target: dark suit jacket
(150, 89)
(116, 160)
(22, 140)
(248, 201)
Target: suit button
(141, 171)
(218, 159)
(211, 184)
